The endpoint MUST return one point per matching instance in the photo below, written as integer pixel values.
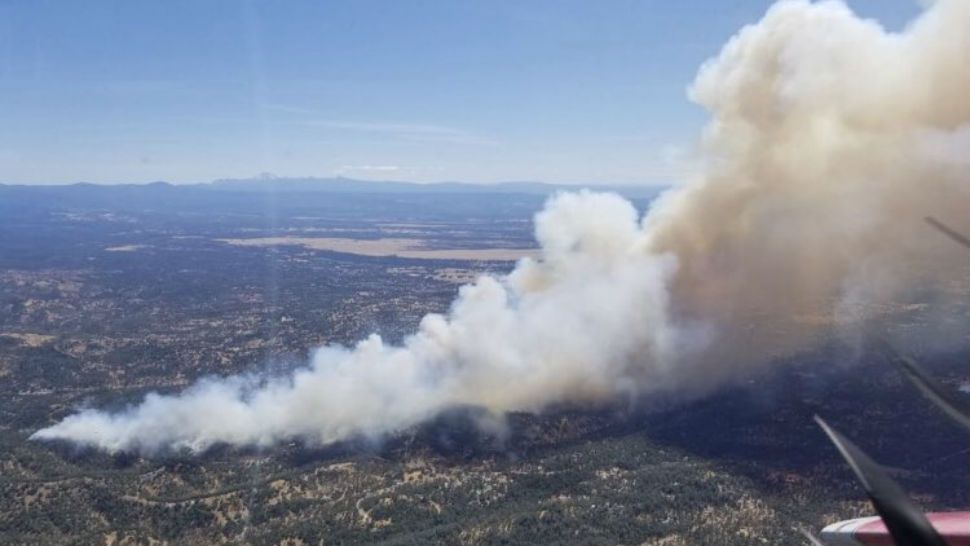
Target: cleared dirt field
(403, 248)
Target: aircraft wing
(953, 527)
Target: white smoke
(830, 139)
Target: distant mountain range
(352, 186)
(292, 196)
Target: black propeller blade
(905, 522)
(948, 231)
(931, 389)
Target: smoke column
(830, 139)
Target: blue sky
(561, 91)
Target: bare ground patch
(402, 248)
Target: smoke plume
(830, 139)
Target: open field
(387, 247)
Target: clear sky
(588, 91)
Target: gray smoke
(830, 139)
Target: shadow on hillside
(764, 429)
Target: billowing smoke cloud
(830, 139)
